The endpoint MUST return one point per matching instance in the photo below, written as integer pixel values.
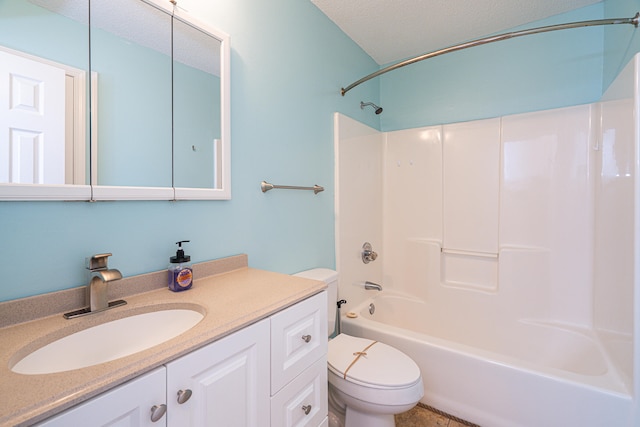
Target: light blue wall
(288, 63)
(524, 74)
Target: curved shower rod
(491, 39)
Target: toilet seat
(383, 366)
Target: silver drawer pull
(306, 409)
(184, 395)
(306, 338)
(157, 412)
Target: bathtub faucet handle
(368, 254)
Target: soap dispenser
(180, 271)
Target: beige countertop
(230, 301)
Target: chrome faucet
(372, 286)
(100, 276)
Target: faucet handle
(98, 262)
(368, 253)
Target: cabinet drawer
(298, 338)
(302, 402)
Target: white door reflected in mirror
(32, 125)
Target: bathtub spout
(372, 286)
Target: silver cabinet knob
(306, 338)
(184, 395)
(157, 412)
(306, 409)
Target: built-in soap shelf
(469, 269)
(469, 253)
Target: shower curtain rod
(491, 39)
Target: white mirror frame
(34, 192)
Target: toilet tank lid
(323, 274)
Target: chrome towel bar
(265, 186)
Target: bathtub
(496, 373)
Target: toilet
(382, 382)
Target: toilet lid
(382, 366)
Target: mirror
(159, 85)
(196, 107)
(44, 63)
(131, 92)
(201, 108)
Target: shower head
(364, 104)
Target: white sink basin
(108, 341)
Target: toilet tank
(330, 277)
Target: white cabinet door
(228, 380)
(128, 405)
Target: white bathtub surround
(515, 239)
(358, 205)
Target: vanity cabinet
(270, 373)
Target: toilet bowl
(369, 381)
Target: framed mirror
(156, 81)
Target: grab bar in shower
(265, 186)
(634, 21)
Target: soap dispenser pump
(180, 271)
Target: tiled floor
(423, 417)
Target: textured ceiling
(391, 30)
